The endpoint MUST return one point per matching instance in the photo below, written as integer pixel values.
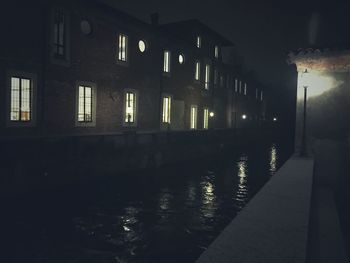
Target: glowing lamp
(274, 119)
(244, 116)
(211, 114)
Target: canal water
(167, 215)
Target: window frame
(65, 59)
(197, 71)
(167, 66)
(135, 122)
(207, 76)
(216, 52)
(205, 118)
(93, 107)
(120, 60)
(170, 97)
(195, 119)
(199, 41)
(33, 98)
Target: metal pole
(303, 142)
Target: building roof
(191, 23)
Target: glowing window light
(166, 65)
(197, 74)
(130, 107)
(193, 117)
(142, 46)
(123, 48)
(85, 104)
(206, 118)
(181, 58)
(207, 77)
(216, 52)
(245, 88)
(199, 41)
(21, 99)
(166, 114)
(244, 116)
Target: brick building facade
(80, 68)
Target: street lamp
(244, 116)
(211, 114)
(305, 83)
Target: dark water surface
(167, 215)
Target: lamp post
(305, 85)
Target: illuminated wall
(328, 99)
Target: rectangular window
(197, 74)
(205, 118)
(199, 41)
(130, 107)
(245, 88)
(216, 76)
(236, 85)
(85, 101)
(240, 86)
(166, 109)
(193, 117)
(123, 48)
(261, 95)
(21, 99)
(59, 34)
(207, 77)
(216, 51)
(166, 64)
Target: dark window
(59, 37)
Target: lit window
(142, 46)
(207, 76)
(216, 51)
(197, 74)
(21, 99)
(205, 118)
(216, 75)
(199, 41)
(245, 88)
(59, 34)
(236, 85)
(181, 58)
(261, 95)
(166, 64)
(123, 48)
(166, 109)
(85, 101)
(193, 117)
(130, 107)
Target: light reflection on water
(165, 218)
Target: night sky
(264, 31)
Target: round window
(85, 27)
(142, 46)
(181, 58)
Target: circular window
(142, 46)
(85, 27)
(181, 58)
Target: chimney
(155, 19)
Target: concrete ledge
(273, 227)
